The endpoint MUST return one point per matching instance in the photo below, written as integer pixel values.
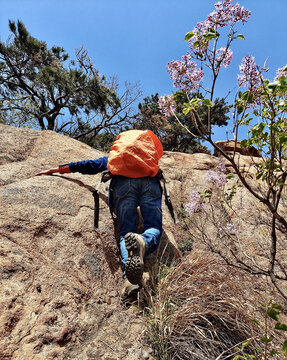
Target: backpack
(135, 154)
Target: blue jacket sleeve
(89, 166)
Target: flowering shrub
(250, 76)
(261, 106)
(196, 204)
(184, 73)
(223, 57)
(281, 72)
(167, 105)
(217, 177)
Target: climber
(133, 163)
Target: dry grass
(198, 311)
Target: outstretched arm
(84, 167)
(61, 169)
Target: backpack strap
(167, 199)
(106, 176)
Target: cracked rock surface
(61, 279)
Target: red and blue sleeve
(89, 167)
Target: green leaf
(243, 143)
(280, 326)
(207, 102)
(240, 36)
(272, 313)
(277, 307)
(194, 101)
(255, 321)
(266, 339)
(211, 35)
(186, 110)
(274, 352)
(283, 138)
(246, 343)
(240, 108)
(188, 36)
(273, 85)
(285, 347)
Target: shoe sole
(134, 265)
(131, 295)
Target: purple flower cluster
(250, 76)
(280, 72)
(217, 177)
(230, 229)
(195, 204)
(225, 13)
(167, 105)
(184, 73)
(223, 57)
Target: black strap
(167, 198)
(106, 175)
(96, 208)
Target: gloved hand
(61, 169)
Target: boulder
(231, 146)
(60, 278)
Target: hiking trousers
(127, 195)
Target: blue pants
(127, 195)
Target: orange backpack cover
(135, 154)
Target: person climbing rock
(133, 161)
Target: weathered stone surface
(60, 278)
(231, 146)
(59, 298)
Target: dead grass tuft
(198, 311)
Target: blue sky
(135, 39)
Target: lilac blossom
(167, 105)
(280, 72)
(225, 13)
(201, 48)
(250, 76)
(221, 167)
(195, 204)
(184, 73)
(217, 177)
(223, 56)
(230, 229)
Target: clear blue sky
(135, 39)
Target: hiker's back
(135, 154)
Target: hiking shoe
(129, 292)
(135, 246)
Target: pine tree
(54, 87)
(172, 134)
